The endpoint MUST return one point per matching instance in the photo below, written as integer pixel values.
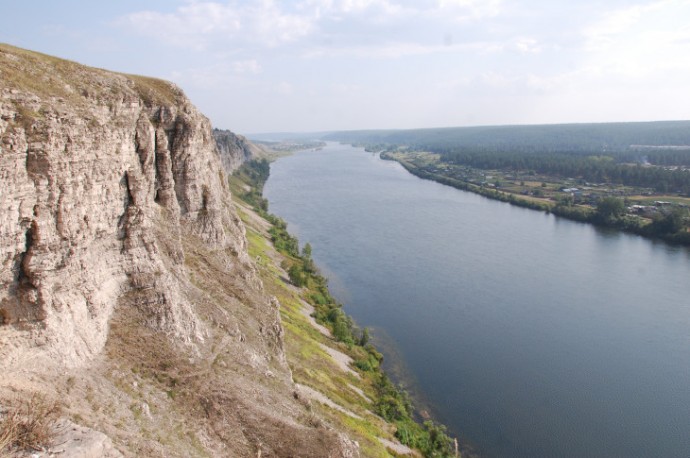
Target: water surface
(529, 335)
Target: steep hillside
(235, 149)
(127, 295)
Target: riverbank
(666, 228)
(332, 361)
(487, 304)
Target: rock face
(234, 149)
(125, 273)
(91, 163)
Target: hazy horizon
(332, 65)
(375, 129)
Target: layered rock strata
(91, 163)
(123, 261)
(234, 149)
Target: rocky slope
(126, 291)
(234, 149)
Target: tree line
(580, 138)
(611, 168)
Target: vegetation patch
(155, 91)
(29, 425)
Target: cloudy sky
(313, 65)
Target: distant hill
(572, 138)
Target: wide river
(528, 335)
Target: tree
(342, 328)
(306, 251)
(364, 339)
(307, 262)
(565, 200)
(297, 276)
(671, 223)
(610, 209)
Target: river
(528, 335)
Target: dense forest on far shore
(573, 138)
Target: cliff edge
(126, 291)
(235, 149)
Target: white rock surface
(234, 149)
(126, 290)
(90, 173)
(77, 441)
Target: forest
(609, 168)
(574, 138)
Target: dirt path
(307, 310)
(342, 360)
(323, 399)
(397, 447)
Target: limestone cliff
(92, 163)
(125, 272)
(234, 149)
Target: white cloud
(322, 8)
(284, 88)
(209, 77)
(398, 50)
(542, 59)
(346, 88)
(199, 24)
(379, 51)
(246, 66)
(218, 74)
(603, 33)
(527, 45)
(273, 26)
(642, 40)
(466, 10)
(191, 25)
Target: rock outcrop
(92, 164)
(125, 273)
(234, 149)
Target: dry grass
(34, 72)
(29, 425)
(155, 91)
(48, 76)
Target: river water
(528, 335)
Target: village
(547, 190)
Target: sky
(321, 65)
